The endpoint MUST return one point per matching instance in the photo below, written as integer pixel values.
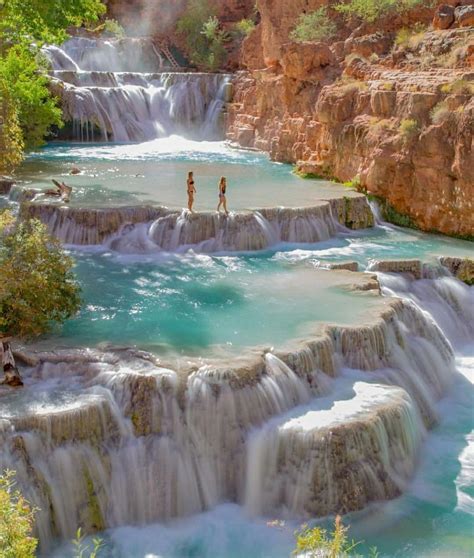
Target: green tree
(11, 137)
(315, 26)
(16, 521)
(25, 25)
(37, 287)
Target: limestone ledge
(129, 407)
(239, 231)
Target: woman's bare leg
(225, 206)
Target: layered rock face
(394, 109)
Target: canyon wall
(392, 110)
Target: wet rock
(413, 267)
(461, 268)
(6, 185)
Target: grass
(315, 26)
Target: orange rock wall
(369, 116)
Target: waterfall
(272, 431)
(147, 229)
(122, 91)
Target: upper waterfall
(123, 91)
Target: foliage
(315, 26)
(202, 34)
(37, 287)
(372, 10)
(24, 70)
(11, 137)
(45, 21)
(354, 184)
(410, 38)
(316, 542)
(81, 548)
(16, 521)
(409, 127)
(25, 25)
(439, 113)
(459, 87)
(110, 27)
(244, 27)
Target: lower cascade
(286, 433)
(144, 229)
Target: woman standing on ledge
(191, 191)
(222, 198)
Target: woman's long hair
(222, 182)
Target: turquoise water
(199, 305)
(156, 172)
(203, 305)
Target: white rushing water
(123, 91)
(282, 438)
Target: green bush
(409, 128)
(16, 521)
(317, 542)
(200, 29)
(316, 26)
(372, 10)
(11, 137)
(244, 27)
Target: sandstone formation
(393, 108)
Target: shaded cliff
(390, 104)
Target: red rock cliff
(396, 111)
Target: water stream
(221, 385)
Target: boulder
(464, 16)
(443, 17)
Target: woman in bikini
(191, 191)
(222, 198)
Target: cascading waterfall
(147, 229)
(188, 439)
(122, 91)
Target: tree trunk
(11, 374)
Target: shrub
(201, 32)
(410, 37)
(114, 28)
(315, 26)
(409, 127)
(11, 137)
(244, 27)
(440, 113)
(16, 521)
(317, 542)
(458, 87)
(372, 10)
